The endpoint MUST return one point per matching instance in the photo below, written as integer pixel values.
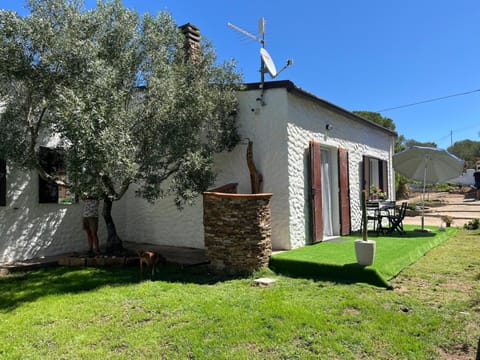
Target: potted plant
(448, 220)
(364, 248)
(376, 193)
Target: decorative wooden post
(256, 178)
(364, 216)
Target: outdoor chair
(373, 216)
(386, 209)
(396, 219)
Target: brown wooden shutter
(3, 182)
(384, 176)
(344, 192)
(316, 187)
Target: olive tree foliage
(127, 99)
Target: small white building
(314, 156)
(466, 179)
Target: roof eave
(292, 88)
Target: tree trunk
(114, 243)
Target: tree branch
(123, 189)
(47, 177)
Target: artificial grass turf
(336, 260)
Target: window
(375, 172)
(3, 182)
(52, 161)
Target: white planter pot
(365, 251)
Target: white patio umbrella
(427, 164)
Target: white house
(314, 156)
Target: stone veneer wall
(237, 231)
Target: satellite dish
(269, 64)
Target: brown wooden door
(344, 192)
(316, 192)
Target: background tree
(467, 150)
(401, 182)
(376, 118)
(412, 142)
(401, 143)
(385, 122)
(126, 98)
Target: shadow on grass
(194, 274)
(406, 235)
(344, 274)
(23, 287)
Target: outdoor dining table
(377, 211)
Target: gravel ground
(462, 210)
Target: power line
(455, 131)
(430, 100)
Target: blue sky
(361, 55)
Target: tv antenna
(266, 62)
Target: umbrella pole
(423, 195)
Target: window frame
(382, 174)
(52, 161)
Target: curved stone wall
(237, 231)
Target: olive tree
(128, 100)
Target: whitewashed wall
(162, 223)
(307, 121)
(29, 229)
(280, 131)
(466, 179)
(266, 126)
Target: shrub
(412, 206)
(472, 224)
(445, 187)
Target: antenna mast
(266, 62)
(261, 31)
(261, 40)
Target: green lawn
(85, 313)
(336, 260)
